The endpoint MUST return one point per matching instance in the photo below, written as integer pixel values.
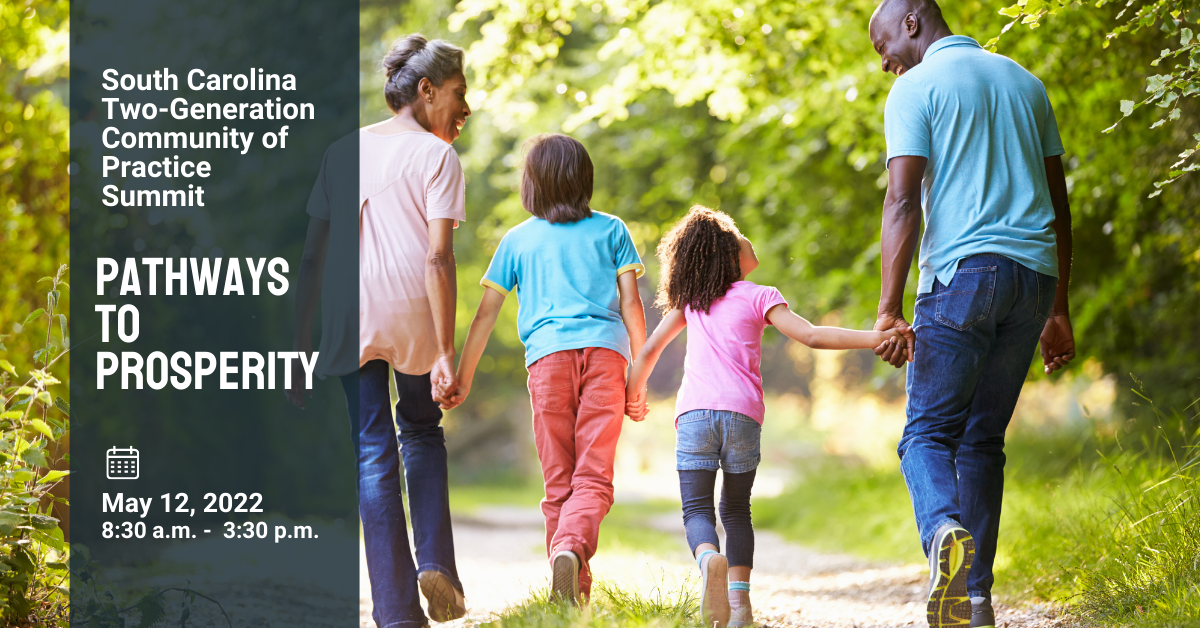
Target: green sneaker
(982, 615)
(950, 556)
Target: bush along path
(504, 572)
(34, 423)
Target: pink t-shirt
(405, 180)
(724, 351)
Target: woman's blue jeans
(975, 342)
(385, 532)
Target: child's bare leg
(704, 547)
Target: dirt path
(500, 560)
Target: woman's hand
(457, 396)
(443, 379)
(295, 393)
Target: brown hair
(557, 183)
(413, 58)
(698, 259)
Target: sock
(739, 586)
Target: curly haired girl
(719, 409)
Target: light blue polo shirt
(986, 127)
(566, 280)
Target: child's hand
(892, 339)
(635, 404)
(453, 398)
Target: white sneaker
(741, 614)
(565, 580)
(714, 590)
(445, 602)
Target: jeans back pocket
(968, 298)
(743, 434)
(693, 432)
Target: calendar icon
(123, 464)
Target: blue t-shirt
(986, 127)
(566, 280)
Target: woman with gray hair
(411, 197)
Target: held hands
(635, 403)
(1057, 342)
(456, 397)
(900, 340)
(295, 393)
(444, 382)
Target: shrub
(33, 552)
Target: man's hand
(635, 404)
(891, 352)
(443, 379)
(1057, 342)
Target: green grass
(625, 529)
(1108, 525)
(841, 508)
(610, 607)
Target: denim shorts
(707, 440)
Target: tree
(774, 111)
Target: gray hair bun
(413, 58)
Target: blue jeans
(712, 439)
(705, 441)
(385, 532)
(975, 343)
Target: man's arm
(308, 294)
(898, 241)
(1058, 339)
(441, 285)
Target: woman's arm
(804, 332)
(635, 390)
(308, 294)
(477, 338)
(440, 284)
(633, 314)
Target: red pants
(578, 400)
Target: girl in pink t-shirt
(719, 409)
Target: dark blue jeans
(975, 343)
(381, 507)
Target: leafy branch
(32, 545)
(1166, 91)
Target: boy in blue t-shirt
(580, 317)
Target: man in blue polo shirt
(972, 144)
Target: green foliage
(1102, 517)
(1167, 91)
(101, 609)
(33, 158)
(1147, 574)
(773, 111)
(610, 607)
(33, 574)
(842, 508)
